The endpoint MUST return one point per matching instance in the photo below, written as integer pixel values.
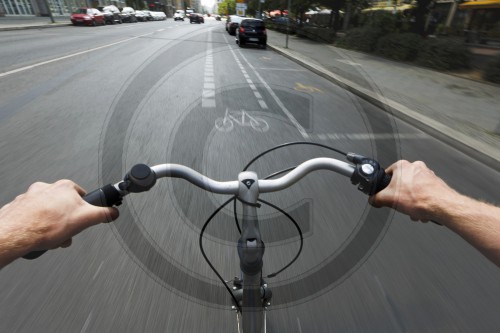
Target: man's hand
(414, 190)
(47, 216)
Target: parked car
(111, 15)
(159, 16)
(179, 15)
(232, 24)
(196, 18)
(251, 31)
(148, 14)
(141, 16)
(128, 15)
(87, 16)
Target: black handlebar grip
(106, 196)
(384, 181)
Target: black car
(128, 15)
(111, 14)
(251, 31)
(196, 18)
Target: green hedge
(318, 34)
(492, 71)
(361, 39)
(403, 47)
(443, 54)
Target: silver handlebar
(265, 185)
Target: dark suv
(196, 18)
(251, 31)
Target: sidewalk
(31, 22)
(461, 112)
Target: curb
(467, 145)
(44, 26)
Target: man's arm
(416, 191)
(46, 217)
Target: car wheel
(94, 23)
(264, 46)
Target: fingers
(101, 214)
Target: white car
(179, 15)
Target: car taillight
(242, 30)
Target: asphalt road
(87, 103)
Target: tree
(227, 7)
(420, 15)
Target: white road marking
(277, 100)
(22, 69)
(87, 323)
(208, 93)
(261, 102)
(282, 69)
(98, 270)
(372, 136)
(298, 324)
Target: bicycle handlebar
(364, 172)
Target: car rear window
(253, 24)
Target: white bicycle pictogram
(241, 118)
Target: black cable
(298, 229)
(292, 144)
(208, 260)
(236, 217)
(280, 172)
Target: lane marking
(260, 100)
(160, 30)
(22, 69)
(298, 324)
(282, 69)
(98, 270)
(371, 136)
(87, 323)
(208, 93)
(303, 88)
(292, 119)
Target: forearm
(14, 242)
(475, 221)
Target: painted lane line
(22, 69)
(261, 102)
(208, 93)
(98, 270)
(372, 136)
(292, 119)
(87, 323)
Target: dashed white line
(208, 93)
(277, 100)
(261, 102)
